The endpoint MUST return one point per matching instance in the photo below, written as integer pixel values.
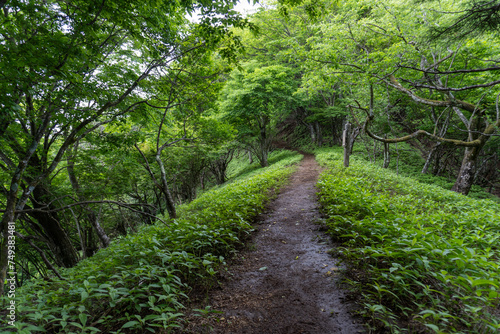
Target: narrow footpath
(286, 281)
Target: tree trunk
(7, 217)
(346, 143)
(264, 144)
(91, 215)
(429, 158)
(466, 175)
(264, 161)
(332, 123)
(352, 138)
(58, 240)
(319, 137)
(101, 234)
(312, 133)
(387, 157)
(250, 159)
(164, 188)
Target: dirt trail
(286, 282)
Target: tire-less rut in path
(286, 283)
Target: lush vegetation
(115, 116)
(407, 161)
(142, 281)
(419, 256)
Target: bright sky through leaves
(245, 8)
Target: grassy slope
(140, 282)
(410, 163)
(422, 258)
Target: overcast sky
(244, 7)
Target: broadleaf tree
(254, 100)
(69, 68)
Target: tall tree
(254, 100)
(68, 68)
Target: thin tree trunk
(352, 138)
(346, 143)
(164, 187)
(313, 134)
(41, 252)
(465, 177)
(91, 215)
(264, 143)
(387, 157)
(319, 137)
(429, 158)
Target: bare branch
(148, 167)
(125, 205)
(450, 89)
(393, 82)
(419, 133)
(437, 72)
(41, 252)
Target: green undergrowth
(140, 283)
(240, 167)
(422, 259)
(408, 162)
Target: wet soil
(286, 282)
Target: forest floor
(285, 281)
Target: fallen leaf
(296, 258)
(263, 268)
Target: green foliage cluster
(421, 258)
(141, 281)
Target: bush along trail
(140, 283)
(422, 259)
(285, 282)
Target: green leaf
(129, 324)
(484, 282)
(83, 318)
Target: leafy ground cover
(422, 259)
(408, 162)
(142, 281)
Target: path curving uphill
(286, 283)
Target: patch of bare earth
(286, 282)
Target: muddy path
(286, 281)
